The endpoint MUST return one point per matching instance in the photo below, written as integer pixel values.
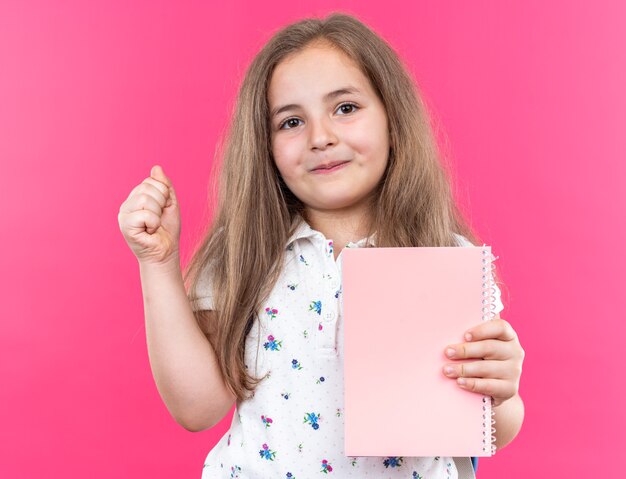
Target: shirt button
(330, 316)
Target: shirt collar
(304, 230)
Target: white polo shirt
(293, 426)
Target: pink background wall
(92, 94)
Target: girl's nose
(322, 134)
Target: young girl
(330, 148)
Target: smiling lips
(333, 165)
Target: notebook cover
(401, 308)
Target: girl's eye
(352, 106)
(287, 121)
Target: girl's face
(323, 110)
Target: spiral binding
(488, 311)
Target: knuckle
(143, 199)
(513, 390)
(159, 185)
(508, 329)
(158, 189)
(490, 349)
(488, 388)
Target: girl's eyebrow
(329, 96)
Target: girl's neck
(341, 226)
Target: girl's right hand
(150, 219)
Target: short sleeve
(204, 300)
(463, 241)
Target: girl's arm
(183, 362)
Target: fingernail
(461, 381)
(450, 352)
(448, 370)
(468, 337)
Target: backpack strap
(465, 467)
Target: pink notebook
(401, 308)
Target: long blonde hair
(242, 249)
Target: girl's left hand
(498, 373)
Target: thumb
(157, 173)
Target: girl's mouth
(331, 170)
